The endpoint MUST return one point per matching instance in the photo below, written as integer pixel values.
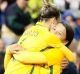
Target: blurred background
(18, 15)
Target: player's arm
(31, 58)
(68, 54)
(10, 50)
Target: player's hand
(64, 63)
(15, 48)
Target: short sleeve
(53, 40)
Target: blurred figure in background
(77, 33)
(3, 6)
(16, 21)
(77, 30)
(69, 18)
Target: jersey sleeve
(31, 58)
(56, 55)
(53, 56)
(68, 53)
(53, 40)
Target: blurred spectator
(78, 21)
(3, 6)
(77, 33)
(16, 21)
(69, 18)
(72, 5)
(77, 30)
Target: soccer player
(41, 47)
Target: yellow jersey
(38, 39)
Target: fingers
(64, 66)
(15, 48)
(15, 52)
(64, 63)
(14, 45)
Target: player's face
(60, 31)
